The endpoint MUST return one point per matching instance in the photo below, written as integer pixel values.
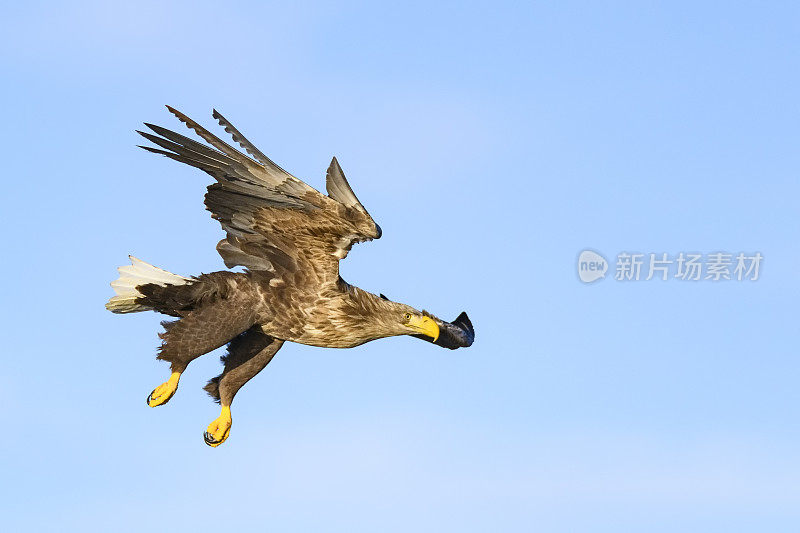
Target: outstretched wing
(273, 220)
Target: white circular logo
(591, 266)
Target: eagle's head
(456, 334)
(423, 325)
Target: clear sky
(493, 143)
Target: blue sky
(492, 142)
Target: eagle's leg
(199, 332)
(165, 391)
(248, 354)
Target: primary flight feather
(289, 237)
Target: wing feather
(243, 142)
(338, 188)
(187, 153)
(211, 139)
(190, 143)
(273, 220)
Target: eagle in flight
(289, 238)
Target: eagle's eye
(407, 316)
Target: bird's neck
(372, 315)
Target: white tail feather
(136, 274)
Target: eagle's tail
(136, 274)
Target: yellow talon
(165, 391)
(219, 429)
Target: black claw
(150, 397)
(209, 439)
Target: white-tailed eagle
(289, 237)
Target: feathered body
(338, 316)
(290, 239)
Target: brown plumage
(289, 238)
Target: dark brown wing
(273, 220)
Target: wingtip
(335, 167)
(222, 121)
(153, 150)
(175, 112)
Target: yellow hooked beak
(425, 325)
